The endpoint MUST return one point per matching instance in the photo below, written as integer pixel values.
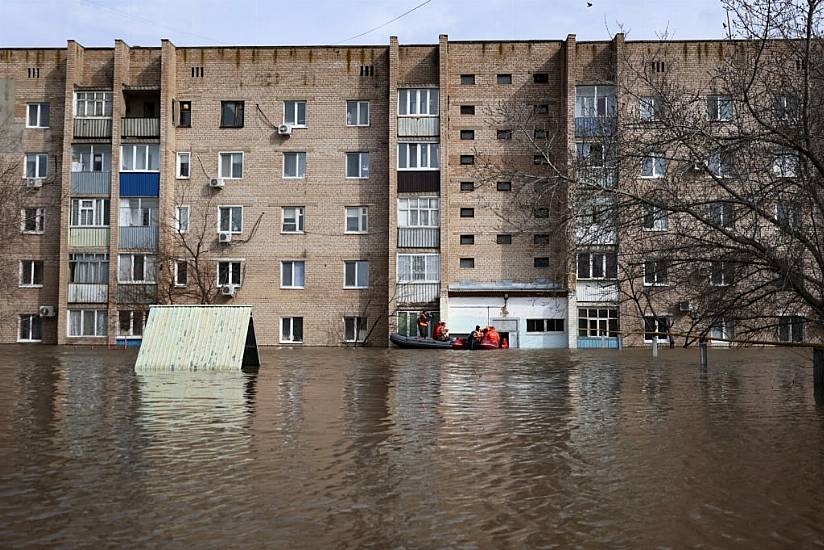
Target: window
(647, 108)
(787, 108)
(597, 322)
(418, 102)
(467, 239)
(130, 323)
(467, 212)
(539, 134)
(355, 274)
(504, 134)
(541, 212)
(466, 263)
(408, 322)
(292, 219)
(540, 78)
(722, 214)
(90, 213)
(138, 212)
(540, 239)
(357, 219)
(654, 165)
(419, 156)
(228, 272)
(184, 166)
(181, 273)
(723, 331)
(721, 164)
(656, 327)
(467, 79)
(140, 158)
(722, 273)
(294, 165)
(89, 269)
(31, 273)
(91, 158)
(185, 120)
(542, 262)
(467, 109)
(788, 214)
(791, 328)
(37, 165)
(594, 101)
(540, 160)
(37, 115)
(182, 219)
(504, 186)
(357, 113)
(467, 186)
(230, 218)
(354, 329)
(88, 322)
(785, 166)
(135, 268)
(33, 220)
(719, 108)
(291, 330)
(357, 165)
(504, 79)
(655, 273)
(590, 155)
(597, 265)
(294, 113)
(30, 328)
(467, 159)
(93, 104)
(230, 165)
(419, 268)
(503, 239)
(231, 114)
(467, 134)
(418, 212)
(655, 218)
(545, 325)
(541, 109)
(292, 274)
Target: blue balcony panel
(140, 184)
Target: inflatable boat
(422, 343)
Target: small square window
(184, 163)
(504, 186)
(467, 134)
(467, 239)
(540, 78)
(294, 165)
(467, 159)
(541, 109)
(540, 134)
(542, 212)
(467, 212)
(540, 160)
(231, 114)
(541, 262)
(503, 239)
(504, 79)
(467, 109)
(504, 134)
(467, 186)
(540, 239)
(467, 263)
(467, 79)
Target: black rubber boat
(421, 343)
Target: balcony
(417, 293)
(594, 126)
(89, 237)
(419, 237)
(140, 127)
(419, 181)
(91, 183)
(136, 294)
(93, 128)
(596, 291)
(596, 234)
(88, 293)
(413, 126)
(598, 177)
(139, 184)
(140, 237)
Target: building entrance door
(507, 328)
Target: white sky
(45, 23)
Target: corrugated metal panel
(136, 294)
(419, 237)
(596, 291)
(194, 337)
(139, 184)
(596, 235)
(419, 126)
(88, 293)
(419, 181)
(91, 183)
(89, 237)
(140, 127)
(93, 127)
(144, 238)
(594, 342)
(594, 125)
(418, 293)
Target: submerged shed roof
(198, 338)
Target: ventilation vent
(657, 67)
(33, 72)
(197, 72)
(367, 70)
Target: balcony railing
(140, 237)
(136, 294)
(596, 235)
(419, 237)
(419, 181)
(93, 128)
(88, 293)
(596, 291)
(419, 126)
(139, 184)
(140, 127)
(91, 183)
(596, 176)
(89, 237)
(594, 126)
(417, 293)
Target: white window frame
(662, 337)
(405, 96)
(291, 340)
(363, 167)
(26, 280)
(141, 205)
(718, 214)
(656, 273)
(359, 108)
(359, 325)
(231, 272)
(41, 166)
(406, 208)
(88, 269)
(292, 285)
(176, 271)
(131, 312)
(97, 313)
(149, 269)
(294, 112)
(660, 219)
(656, 160)
(591, 260)
(144, 148)
(792, 216)
(232, 176)
(38, 107)
(299, 217)
(182, 228)
(598, 326)
(722, 270)
(90, 96)
(718, 116)
(598, 101)
(39, 221)
(230, 208)
(98, 212)
(786, 165)
(722, 331)
(720, 165)
(427, 259)
(359, 264)
(361, 213)
(418, 146)
(94, 149)
(648, 108)
(178, 164)
(31, 318)
(297, 154)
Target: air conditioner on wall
(228, 290)
(285, 130)
(34, 182)
(216, 182)
(224, 237)
(48, 311)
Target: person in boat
(423, 325)
(475, 337)
(492, 337)
(441, 332)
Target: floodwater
(401, 449)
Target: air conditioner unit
(34, 182)
(225, 236)
(48, 311)
(216, 182)
(285, 130)
(684, 306)
(228, 290)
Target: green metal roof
(198, 338)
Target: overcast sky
(277, 22)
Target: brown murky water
(363, 448)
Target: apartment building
(337, 189)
